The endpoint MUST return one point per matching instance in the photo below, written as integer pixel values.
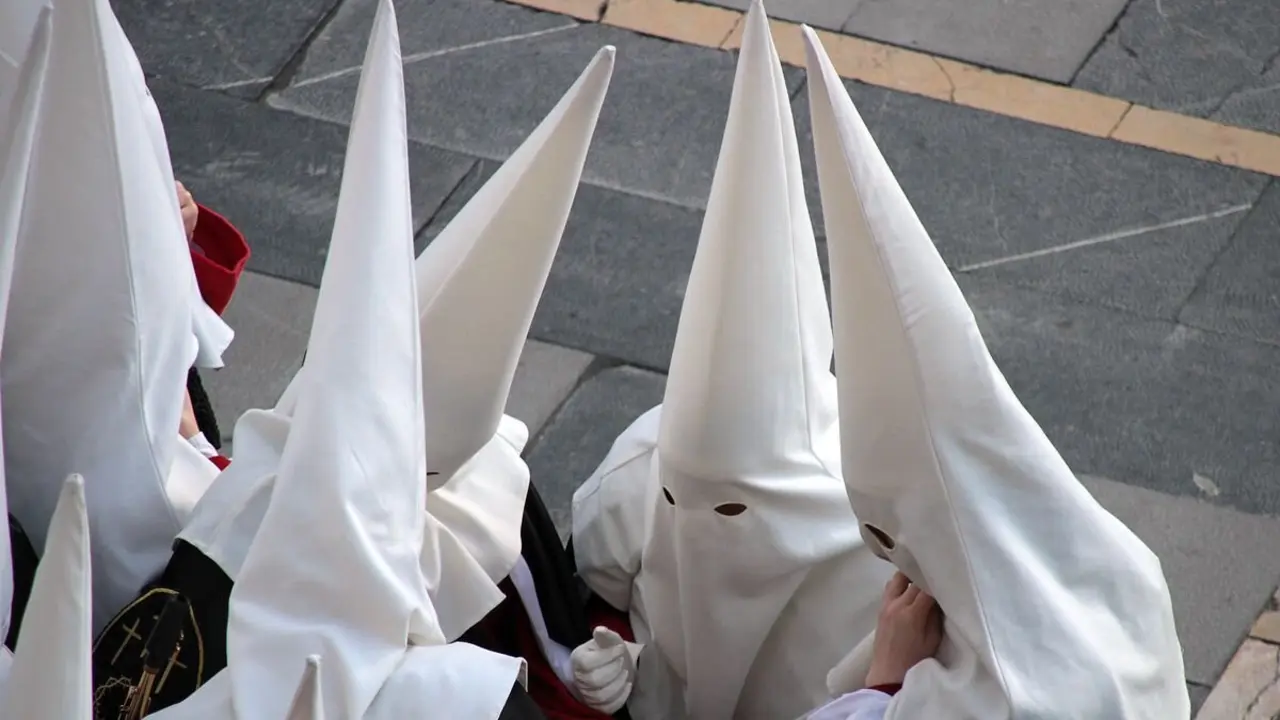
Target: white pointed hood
(333, 570)
(1054, 608)
(747, 454)
(479, 283)
(111, 277)
(51, 677)
(344, 526)
(308, 702)
(17, 135)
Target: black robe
(24, 576)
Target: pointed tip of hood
(52, 662)
(345, 522)
(753, 346)
(308, 702)
(480, 280)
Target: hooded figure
(753, 580)
(17, 134)
(50, 678)
(1054, 609)
(333, 570)
(108, 277)
(481, 511)
(479, 283)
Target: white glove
(604, 669)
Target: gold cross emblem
(130, 633)
(173, 662)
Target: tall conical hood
(957, 485)
(748, 445)
(52, 673)
(114, 277)
(753, 349)
(334, 568)
(480, 280)
(308, 702)
(17, 135)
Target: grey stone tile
(580, 435)
(1151, 274)
(658, 135)
(276, 175)
(1241, 293)
(1221, 566)
(988, 186)
(1202, 57)
(830, 14)
(544, 378)
(272, 321)
(1257, 105)
(237, 44)
(619, 278)
(1146, 402)
(1048, 39)
(427, 27)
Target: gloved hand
(604, 669)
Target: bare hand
(190, 211)
(188, 427)
(909, 631)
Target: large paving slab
(618, 280)
(989, 187)
(659, 131)
(829, 14)
(581, 433)
(1048, 39)
(1149, 402)
(1151, 273)
(1241, 293)
(1210, 58)
(1221, 566)
(236, 45)
(276, 175)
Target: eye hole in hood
(731, 509)
(880, 541)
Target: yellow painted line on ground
(947, 80)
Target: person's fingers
(910, 595)
(897, 585)
(923, 600)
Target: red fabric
(545, 688)
(220, 258)
(600, 612)
(887, 688)
(220, 461)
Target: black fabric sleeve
(520, 706)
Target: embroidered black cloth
(120, 650)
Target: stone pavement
(1131, 295)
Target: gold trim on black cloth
(119, 653)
